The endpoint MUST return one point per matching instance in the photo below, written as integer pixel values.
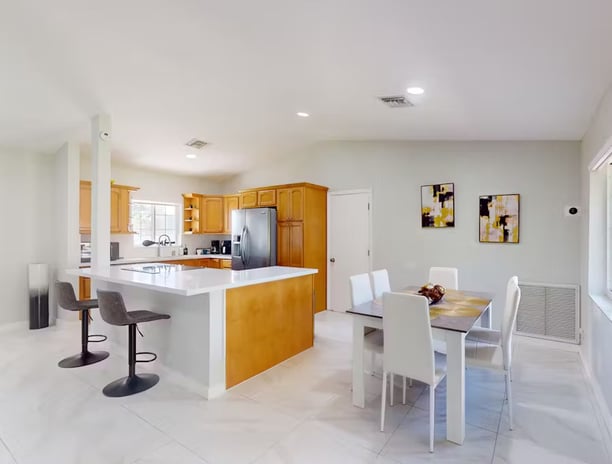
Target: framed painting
(438, 205)
(499, 218)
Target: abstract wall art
(499, 218)
(438, 205)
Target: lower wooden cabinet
(290, 239)
(84, 288)
(226, 264)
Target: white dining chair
(498, 357)
(448, 277)
(361, 292)
(380, 282)
(408, 349)
(493, 336)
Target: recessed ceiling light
(191, 156)
(415, 90)
(301, 114)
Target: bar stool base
(83, 359)
(130, 385)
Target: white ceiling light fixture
(191, 156)
(302, 114)
(415, 90)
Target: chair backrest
(112, 308)
(65, 296)
(380, 282)
(408, 343)
(448, 277)
(513, 298)
(361, 292)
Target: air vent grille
(398, 101)
(196, 143)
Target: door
(349, 243)
(213, 214)
(230, 203)
(85, 208)
(115, 208)
(238, 223)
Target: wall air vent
(398, 101)
(197, 144)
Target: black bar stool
(67, 300)
(112, 310)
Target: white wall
(28, 233)
(155, 186)
(544, 173)
(597, 326)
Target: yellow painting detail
(499, 218)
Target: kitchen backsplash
(128, 250)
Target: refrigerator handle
(247, 251)
(242, 245)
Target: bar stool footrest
(147, 353)
(97, 338)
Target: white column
(68, 256)
(100, 191)
(455, 386)
(216, 344)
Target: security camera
(572, 211)
(104, 135)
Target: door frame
(367, 191)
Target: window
(150, 220)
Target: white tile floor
(298, 412)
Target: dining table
(451, 319)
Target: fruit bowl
(433, 292)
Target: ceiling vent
(197, 144)
(398, 101)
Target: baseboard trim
(602, 412)
(9, 327)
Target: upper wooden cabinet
(191, 213)
(230, 203)
(119, 208)
(212, 210)
(290, 204)
(258, 198)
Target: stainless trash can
(38, 287)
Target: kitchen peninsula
(225, 326)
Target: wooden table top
(457, 311)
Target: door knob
(332, 260)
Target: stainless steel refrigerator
(253, 238)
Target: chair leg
(432, 416)
(391, 385)
(410, 382)
(505, 386)
(509, 396)
(383, 402)
(403, 390)
(85, 357)
(373, 363)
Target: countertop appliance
(86, 252)
(214, 247)
(253, 238)
(226, 247)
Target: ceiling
(234, 73)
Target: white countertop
(193, 281)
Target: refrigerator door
(260, 238)
(238, 232)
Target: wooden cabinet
(290, 241)
(226, 264)
(248, 199)
(84, 288)
(266, 198)
(258, 198)
(213, 263)
(290, 204)
(119, 208)
(191, 213)
(212, 210)
(230, 203)
(85, 208)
